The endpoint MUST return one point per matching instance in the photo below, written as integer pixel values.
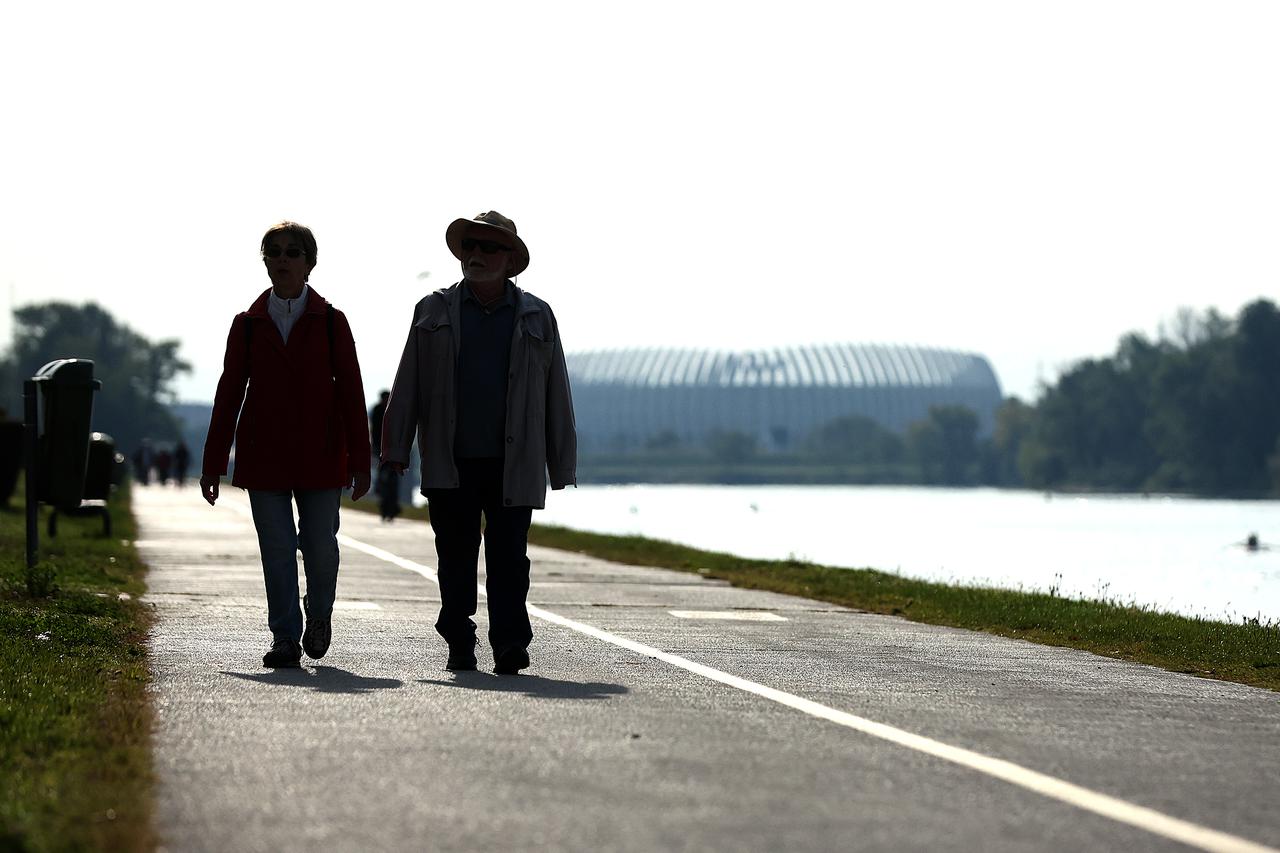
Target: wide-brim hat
(490, 225)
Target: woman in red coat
(301, 437)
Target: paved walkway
(663, 712)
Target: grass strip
(75, 760)
(1248, 653)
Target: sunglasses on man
(489, 247)
(276, 251)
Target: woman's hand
(359, 485)
(209, 488)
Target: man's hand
(209, 488)
(359, 485)
(398, 467)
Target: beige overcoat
(540, 433)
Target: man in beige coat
(482, 383)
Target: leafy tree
(1090, 429)
(855, 439)
(944, 445)
(1191, 328)
(137, 375)
(1198, 410)
(1014, 422)
(1256, 421)
(1189, 422)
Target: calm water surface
(1175, 554)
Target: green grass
(1248, 653)
(75, 762)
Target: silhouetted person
(482, 383)
(387, 484)
(301, 437)
(164, 460)
(181, 462)
(387, 488)
(375, 423)
(142, 459)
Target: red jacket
(303, 424)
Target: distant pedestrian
(164, 461)
(375, 423)
(482, 383)
(301, 437)
(387, 487)
(142, 460)
(181, 462)
(387, 481)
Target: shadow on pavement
(530, 685)
(326, 679)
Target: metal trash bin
(99, 471)
(104, 471)
(66, 394)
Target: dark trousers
(455, 519)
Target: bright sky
(1021, 179)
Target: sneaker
(315, 640)
(510, 660)
(284, 653)
(462, 657)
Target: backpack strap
(328, 318)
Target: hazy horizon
(1028, 182)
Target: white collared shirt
(285, 312)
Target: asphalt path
(662, 711)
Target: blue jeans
(278, 540)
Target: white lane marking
(356, 605)
(1107, 806)
(729, 615)
(374, 551)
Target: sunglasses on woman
(276, 251)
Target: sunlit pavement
(603, 747)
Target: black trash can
(66, 399)
(100, 471)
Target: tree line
(1194, 410)
(137, 374)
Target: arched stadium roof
(623, 397)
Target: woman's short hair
(300, 233)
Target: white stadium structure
(625, 398)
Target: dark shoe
(315, 640)
(462, 658)
(284, 653)
(511, 660)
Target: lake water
(1174, 554)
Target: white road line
(1143, 818)
(729, 615)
